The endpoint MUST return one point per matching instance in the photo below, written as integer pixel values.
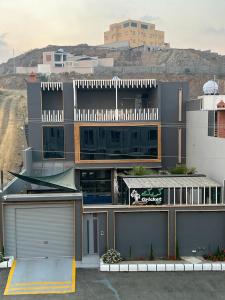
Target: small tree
(130, 252)
(151, 254)
(140, 171)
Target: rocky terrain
(168, 61)
(12, 119)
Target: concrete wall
(204, 152)
(170, 123)
(144, 225)
(200, 231)
(135, 232)
(106, 98)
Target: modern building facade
(137, 33)
(61, 61)
(95, 131)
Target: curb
(161, 267)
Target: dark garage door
(135, 232)
(201, 231)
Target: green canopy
(63, 180)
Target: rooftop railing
(104, 115)
(52, 116)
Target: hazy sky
(28, 24)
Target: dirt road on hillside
(12, 136)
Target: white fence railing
(144, 114)
(52, 116)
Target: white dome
(210, 88)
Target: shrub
(140, 170)
(1, 257)
(111, 257)
(182, 169)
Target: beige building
(136, 33)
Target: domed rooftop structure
(210, 88)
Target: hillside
(169, 61)
(12, 119)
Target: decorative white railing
(52, 116)
(104, 115)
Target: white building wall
(209, 102)
(204, 152)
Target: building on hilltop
(61, 61)
(136, 33)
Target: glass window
(96, 181)
(133, 24)
(53, 142)
(116, 143)
(126, 25)
(144, 26)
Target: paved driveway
(39, 276)
(95, 285)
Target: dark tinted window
(96, 181)
(126, 25)
(122, 142)
(53, 142)
(143, 26)
(133, 24)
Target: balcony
(112, 115)
(52, 116)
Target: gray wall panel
(139, 230)
(196, 230)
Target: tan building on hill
(136, 33)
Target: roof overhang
(63, 181)
(170, 182)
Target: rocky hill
(168, 61)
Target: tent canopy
(63, 180)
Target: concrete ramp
(42, 276)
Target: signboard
(151, 196)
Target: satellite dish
(115, 78)
(210, 88)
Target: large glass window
(53, 142)
(118, 142)
(96, 181)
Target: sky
(29, 24)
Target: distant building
(61, 61)
(137, 33)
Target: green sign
(151, 196)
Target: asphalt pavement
(96, 285)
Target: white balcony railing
(52, 116)
(104, 115)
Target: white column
(74, 99)
(181, 196)
(186, 195)
(210, 199)
(192, 195)
(116, 111)
(204, 195)
(216, 195)
(198, 194)
(174, 196)
(168, 195)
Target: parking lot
(92, 284)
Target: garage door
(46, 231)
(137, 231)
(200, 231)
